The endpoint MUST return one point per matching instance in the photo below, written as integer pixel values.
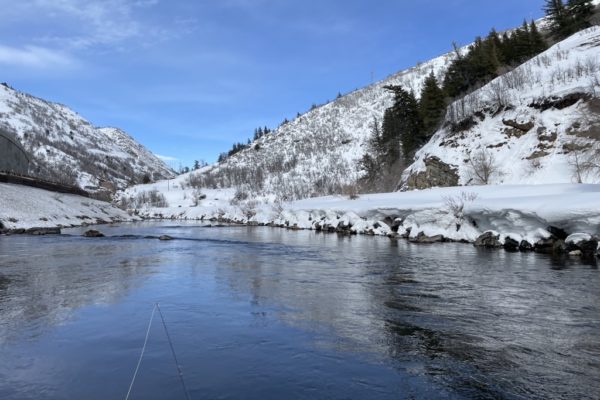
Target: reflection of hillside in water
(320, 281)
(486, 322)
(42, 280)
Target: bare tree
(483, 166)
(584, 164)
(277, 208)
(456, 204)
(248, 208)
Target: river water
(258, 313)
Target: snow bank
(24, 207)
(521, 212)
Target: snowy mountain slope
(317, 152)
(66, 147)
(534, 124)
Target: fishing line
(142, 353)
(179, 371)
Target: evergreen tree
(402, 126)
(559, 20)
(580, 12)
(496, 41)
(570, 18)
(390, 138)
(372, 159)
(537, 42)
(479, 65)
(456, 80)
(522, 43)
(196, 165)
(432, 104)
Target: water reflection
(43, 280)
(280, 310)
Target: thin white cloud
(98, 22)
(35, 57)
(61, 31)
(75, 25)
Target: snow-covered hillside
(317, 152)
(24, 207)
(539, 123)
(66, 147)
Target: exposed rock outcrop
(437, 173)
(517, 129)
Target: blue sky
(189, 78)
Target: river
(259, 313)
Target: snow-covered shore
(24, 207)
(519, 212)
(507, 214)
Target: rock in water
(511, 244)
(44, 231)
(525, 246)
(422, 238)
(488, 239)
(165, 237)
(583, 242)
(544, 245)
(93, 233)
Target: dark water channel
(261, 313)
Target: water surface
(259, 313)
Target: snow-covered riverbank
(513, 213)
(24, 207)
(523, 215)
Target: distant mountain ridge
(67, 148)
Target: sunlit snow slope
(535, 124)
(317, 152)
(64, 146)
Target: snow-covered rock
(65, 146)
(577, 238)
